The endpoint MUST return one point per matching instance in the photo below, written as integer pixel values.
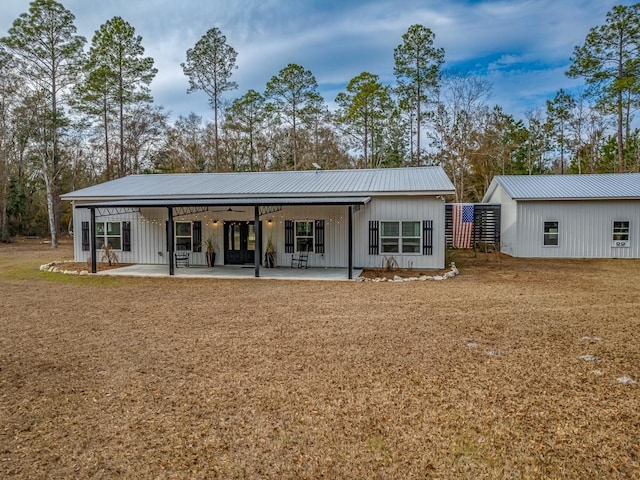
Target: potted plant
(270, 255)
(211, 247)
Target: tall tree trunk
(419, 126)
(620, 135)
(122, 163)
(48, 181)
(295, 145)
(251, 149)
(53, 200)
(216, 140)
(366, 140)
(4, 221)
(619, 108)
(106, 139)
(562, 148)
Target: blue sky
(523, 47)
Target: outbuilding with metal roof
(568, 216)
(334, 218)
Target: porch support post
(258, 246)
(92, 232)
(170, 240)
(350, 242)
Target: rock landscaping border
(58, 267)
(419, 278)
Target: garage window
(621, 234)
(551, 233)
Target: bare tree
(49, 52)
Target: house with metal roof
(317, 218)
(569, 216)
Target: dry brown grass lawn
(475, 377)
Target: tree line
(74, 113)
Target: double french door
(239, 242)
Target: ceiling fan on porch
(227, 210)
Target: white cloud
(522, 46)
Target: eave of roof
(218, 202)
(572, 187)
(321, 183)
(574, 199)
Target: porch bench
(182, 258)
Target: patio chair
(182, 258)
(300, 260)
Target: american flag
(462, 216)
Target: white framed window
(183, 236)
(304, 235)
(400, 237)
(551, 234)
(620, 233)
(109, 233)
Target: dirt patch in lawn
(512, 370)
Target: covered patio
(233, 271)
(260, 206)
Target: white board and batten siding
(585, 225)
(335, 234)
(148, 244)
(148, 232)
(337, 230)
(585, 229)
(401, 208)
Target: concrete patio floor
(232, 271)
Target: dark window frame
(176, 236)
(401, 237)
(104, 237)
(551, 238)
(309, 238)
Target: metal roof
(238, 202)
(604, 186)
(326, 183)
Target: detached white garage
(569, 216)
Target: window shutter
(427, 237)
(126, 236)
(197, 236)
(319, 234)
(86, 245)
(288, 237)
(374, 237)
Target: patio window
(621, 233)
(109, 233)
(304, 236)
(551, 232)
(400, 237)
(183, 236)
